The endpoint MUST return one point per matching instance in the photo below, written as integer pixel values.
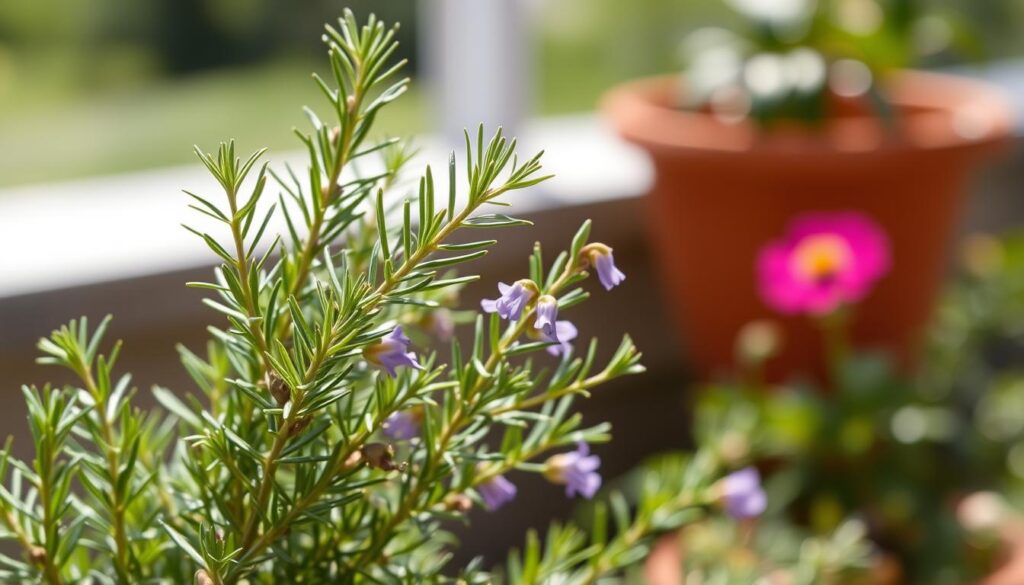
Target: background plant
(795, 61)
(901, 450)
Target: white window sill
(68, 234)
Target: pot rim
(939, 112)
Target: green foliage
(721, 551)
(671, 491)
(902, 450)
(278, 469)
(804, 62)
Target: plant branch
(111, 452)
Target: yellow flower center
(820, 257)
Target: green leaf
(183, 543)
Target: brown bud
(458, 503)
(299, 425)
(333, 134)
(37, 556)
(380, 456)
(278, 389)
(350, 103)
(203, 578)
(331, 192)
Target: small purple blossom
(609, 275)
(392, 352)
(576, 470)
(547, 314)
(403, 425)
(600, 256)
(511, 303)
(496, 492)
(743, 495)
(565, 332)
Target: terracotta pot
(1012, 570)
(722, 190)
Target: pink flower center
(820, 257)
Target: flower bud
(741, 494)
(380, 456)
(496, 492)
(547, 315)
(299, 425)
(404, 425)
(278, 388)
(458, 503)
(392, 352)
(37, 556)
(203, 578)
(600, 257)
(576, 470)
(330, 192)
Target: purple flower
(743, 495)
(392, 352)
(601, 257)
(403, 425)
(607, 273)
(511, 303)
(565, 332)
(547, 314)
(825, 260)
(576, 470)
(496, 492)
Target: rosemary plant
(319, 445)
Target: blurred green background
(99, 86)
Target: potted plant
(811, 110)
(923, 458)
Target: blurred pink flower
(825, 260)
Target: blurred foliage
(902, 452)
(180, 36)
(95, 70)
(132, 85)
(808, 60)
(777, 553)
